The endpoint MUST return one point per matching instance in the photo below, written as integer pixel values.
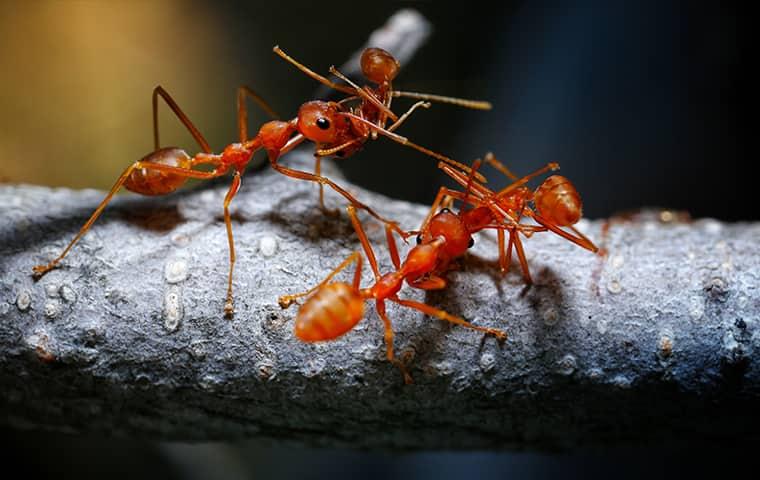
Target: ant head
(450, 226)
(322, 122)
(379, 66)
(558, 201)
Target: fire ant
(370, 116)
(166, 169)
(556, 204)
(335, 308)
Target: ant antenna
(470, 179)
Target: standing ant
(335, 308)
(556, 204)
(166, 169)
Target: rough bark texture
(656, 342)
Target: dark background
(636, 100)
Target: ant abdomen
(378, 65)
(154, 182)
(557, 200)
(332, 311)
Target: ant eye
(445, 210)
(419, 239)
(323, 123)
(472, 242)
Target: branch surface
(656, 342)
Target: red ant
(166, 169)
(556, 204)
(369, 117)
(335, 308)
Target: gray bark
(656, 342)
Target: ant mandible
(556, 204)
(333, 309)
(166, 169)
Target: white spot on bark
(173, 310)
(24, 300)
(550, 316)
(176, 270)
(314, 367)
(268, 246)
(68, 294)
(567, 365)
(696, 308)
(51, 290)
(52, 309)
(487, 362)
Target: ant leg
(366, 95)
(294, 141)
(406, 114)
(520, 255)
(581, 240)
(406, 142)
(470, 182)
(442, 192)
(433, 208)
(475, 188)
(234, 187)
(589, 244)
(40, 270)
(380, 307)
(443, 315)
(505, 259)
(495, 163)
(318, 154)
(522, 181)
(326, 152)
(431, 282)
(392, 248)
(313, 74)
(448, 202)
(318, 173)
(242, 110)
(180, 114)
(461, 102)
(301, 175)
(363, 240)
(287, 300)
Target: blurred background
(636, 100)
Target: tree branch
(656, 341)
